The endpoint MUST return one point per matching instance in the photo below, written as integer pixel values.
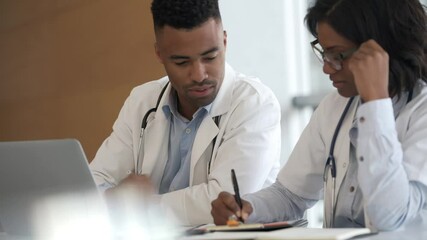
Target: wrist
(374, 96)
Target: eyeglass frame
(334, 62)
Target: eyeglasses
(335, 59)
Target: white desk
(418, 230)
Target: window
(268, 39)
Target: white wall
(267, 39)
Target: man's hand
(132, 189)
(139, 183)
(131, 202)
(370, 68)
(225, 206)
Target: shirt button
(188, 130)
(351, 189)
(344, 165)
(362, 119)
(361, 158)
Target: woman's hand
(225, 206)
(370, 68)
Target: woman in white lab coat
(373, 173)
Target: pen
(236, 191)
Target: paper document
(256, 226)
(285, 234)
(315, 233)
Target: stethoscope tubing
(139, 160)
(331, 163)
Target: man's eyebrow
(180, 57)
(214, 49)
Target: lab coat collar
(222, 102)
(157, 130)
(208, 130)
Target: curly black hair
(399, 26)
(183, 14)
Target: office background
(66, 67)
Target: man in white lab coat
(206, 120)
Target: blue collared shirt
(182, 133)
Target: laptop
(46, 188)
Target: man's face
(194, 61)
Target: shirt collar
(399, 103)
(171, 107)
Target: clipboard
(248, 227)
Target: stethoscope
(331, 167)
(143, 126)
(144, 122)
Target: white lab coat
(303, 174)
(307, 161)
(248, 140)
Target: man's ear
(156, 49)
(225, 39)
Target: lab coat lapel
(156, 142)
(342, 147)
(205, 135)
(208, 129)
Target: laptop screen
(46, 185)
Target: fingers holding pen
(243, 213)
(246, 210)
(225, 206)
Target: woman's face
(334, 43)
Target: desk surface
(417, 230)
